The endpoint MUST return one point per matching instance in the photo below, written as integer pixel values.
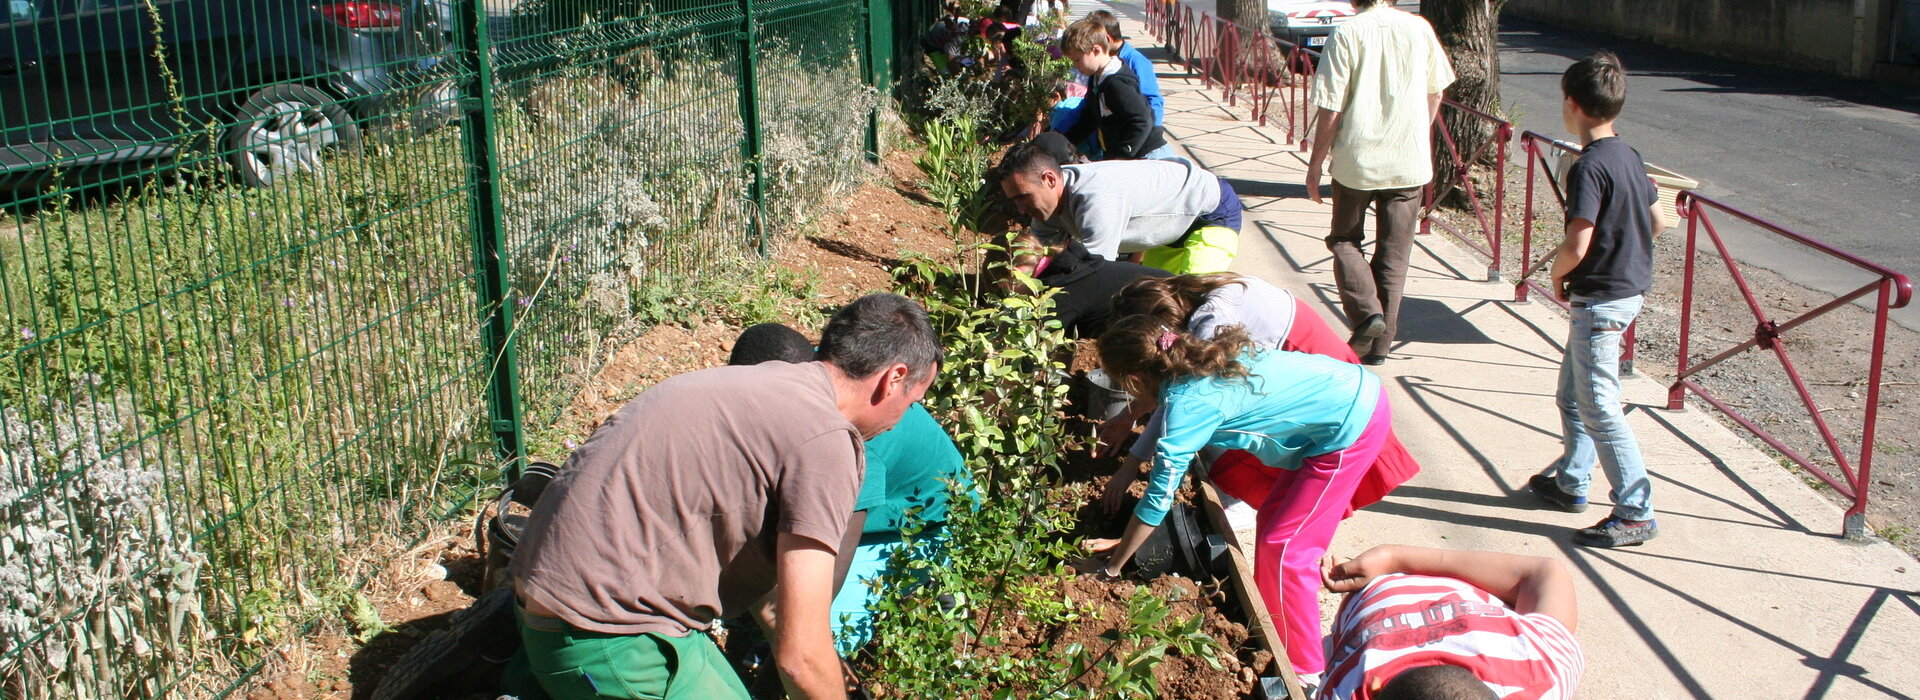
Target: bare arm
(1660, 221)
(1527, 584)
(843, 562)
(1326, 124)
(1433, 107)
(802, 645)
(1570, 253)
(1123, 549)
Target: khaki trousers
(1372, 286)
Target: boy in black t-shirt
(1602, 269)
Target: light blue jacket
(1293, 406)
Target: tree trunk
(1251, 16)
(1470, 31)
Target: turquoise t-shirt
(906, 467)
(1293, 406)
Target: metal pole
(489, 235)
(869, 73)
(750, 147)
(1854, 524)
(1526, 223)
(1676, 394)
(1505, 135)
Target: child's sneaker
(1544, 486)
(1617, 532)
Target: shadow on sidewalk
(1266, 188)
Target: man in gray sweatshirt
(1179, 217)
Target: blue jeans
(1592, 426)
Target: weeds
(215, 401)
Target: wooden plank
(1248, 591)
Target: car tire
(284, 129)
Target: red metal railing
(1211, 48)
(1489, 215)
(1537, 148)
(1893, 291)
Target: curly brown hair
(1131, 350)
(1170, 300)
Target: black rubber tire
(257, 146)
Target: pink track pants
(1296, 524)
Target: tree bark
(1470, 31)
(1251, 16)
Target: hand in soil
(1116, 490)
(1113, 433)
(1095, 566)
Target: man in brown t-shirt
(707, 494)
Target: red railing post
(1526, 223)
(1676, 394)
(1854, 524)
(1505, 135)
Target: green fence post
(750, 117)
(489, 235)
(871, 68)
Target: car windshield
(23, 10)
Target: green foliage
(221, 405)
(1001, 391)
(1142, 641)
(955, 164)
(1001, 566)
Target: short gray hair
(878, 330)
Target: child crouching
(1318, 422)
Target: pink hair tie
(1166, 340)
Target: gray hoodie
(1130, 205)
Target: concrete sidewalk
(1747, 593)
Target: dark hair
(770, 342)
(1132, 346)
(1598, 83)
(876, 331)
(1107, 21)
(1364, 5)
(1030, 158)
(1170, 300)
(1439, 682)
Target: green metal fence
(283, 284)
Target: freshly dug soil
(1177, 676)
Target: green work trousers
(572, 664)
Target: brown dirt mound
(1177, 676)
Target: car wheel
(284, 129)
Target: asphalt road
(1833, 159)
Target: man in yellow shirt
(1377, 94)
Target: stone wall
(1844, 37)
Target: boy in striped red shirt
(1436, 624)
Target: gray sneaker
(1617, 532)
